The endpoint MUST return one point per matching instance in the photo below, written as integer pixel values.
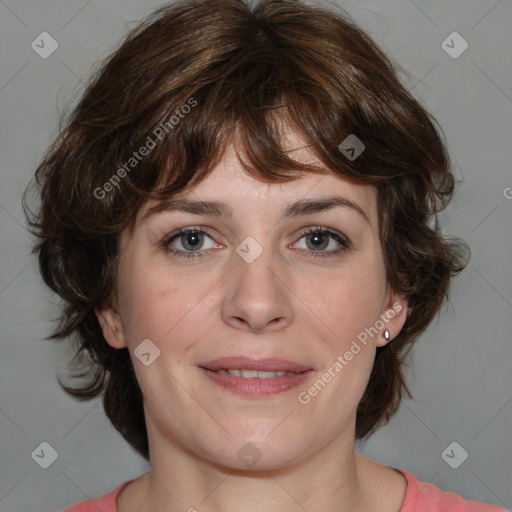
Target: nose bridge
(256, 262)
(256, 291)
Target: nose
(258, 292)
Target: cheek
(161, 306)
(351, 300)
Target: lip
(248, 363)
(256, 387)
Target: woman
(241, 218)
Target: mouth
(251, 374)
(245, 364)
(255, 377)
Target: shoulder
(426, 497)
(106, 503)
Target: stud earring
(387, 336)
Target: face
(254, 285)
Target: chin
(257, 452)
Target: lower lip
(255, 387)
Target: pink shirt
(419, 497)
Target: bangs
(257, 122)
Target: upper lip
(248, 363)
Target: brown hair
(236, 68)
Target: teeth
(250, 374)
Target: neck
(334, 479)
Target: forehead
(241, 193)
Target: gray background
(460, 369)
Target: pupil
(317, 239)
(190, 237)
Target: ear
(393, 317)
(110, 323)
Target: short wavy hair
(188, 80)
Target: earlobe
(394, 317)
(110, 324)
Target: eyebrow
(219, 209)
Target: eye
(320, 240)
(191, 239)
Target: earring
(387, 336)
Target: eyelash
(341, 239)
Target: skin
(283, 304)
